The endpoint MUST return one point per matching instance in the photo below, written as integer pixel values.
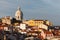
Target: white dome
(18, 12)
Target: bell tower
(19, 14)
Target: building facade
(6, 20)
(37, 22)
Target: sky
(32, 9)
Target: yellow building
(37, 22)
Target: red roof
(48, 32)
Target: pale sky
(33, 9)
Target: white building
(19, 14)
(6, 20)
(43, 26)
(23, 26)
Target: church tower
(19, 14)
